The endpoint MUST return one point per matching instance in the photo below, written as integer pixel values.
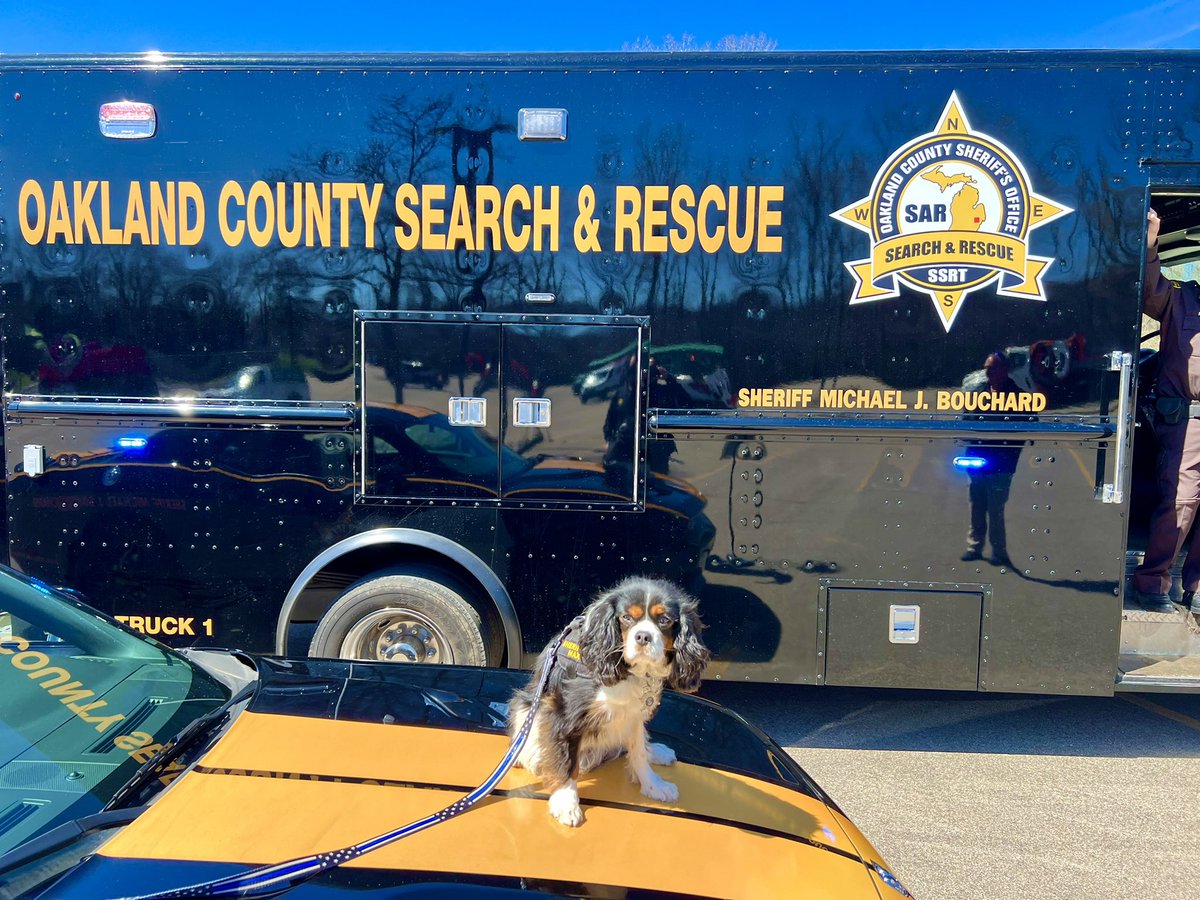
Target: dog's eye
(664, 621)
(626, 618)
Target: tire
(402, 617)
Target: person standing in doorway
(1177, 426)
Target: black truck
(405, 357)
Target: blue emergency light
(970, 463)
(131, 442)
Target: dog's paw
(660, 755)
(657, 789)
(564, 806)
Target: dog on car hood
(630, 642)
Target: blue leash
(267, 881)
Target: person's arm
(1156, 289)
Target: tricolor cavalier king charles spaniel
(605, 686)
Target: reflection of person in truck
(665, 392)
(991, 481)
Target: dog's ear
(600, 643)
(691, 656)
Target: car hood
(330, 754)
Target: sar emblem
(950, 212)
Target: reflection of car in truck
(601, 382)
(799, 323)
(136, 489)
(699, 369)
(85, 367)
(1052, 367)
(264, 382)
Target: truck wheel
(402, 618)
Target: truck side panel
(823, 279)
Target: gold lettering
(145, 754)
(60, 216)
(132, 741)
(318, 215)
(30, 659)
(59, 675)
(656, 218)
(20, 642)
(108, 234)
(231, 192)
(370, 208)
(769, 217)
(487, 216)
(629, 210)
(517, 241)
(289, 235)
(32, 232)
(70, 693)
(260, 195)
(432, 215)
(190, 197)
(85, 223)
(343, 193)
(460, 221)
(710, 241)
(162, 212)
(740, 241)
(545, 216)
(408, 230)
(683, 201)
(135, 216)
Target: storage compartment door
(573, 397)
(431, 420)
(905, 638)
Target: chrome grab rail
(724, 423)
(185, 410)
(1114, 492)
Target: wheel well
(334, 577)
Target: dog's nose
(643, 638)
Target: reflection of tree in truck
(72, 366)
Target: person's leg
(1189, 496)
(1174, 512)
(998, 488)
(978, 529)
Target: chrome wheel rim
(395, 634)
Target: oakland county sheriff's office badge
(948, 213)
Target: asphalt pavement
(982, 796)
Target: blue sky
(53, 26)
